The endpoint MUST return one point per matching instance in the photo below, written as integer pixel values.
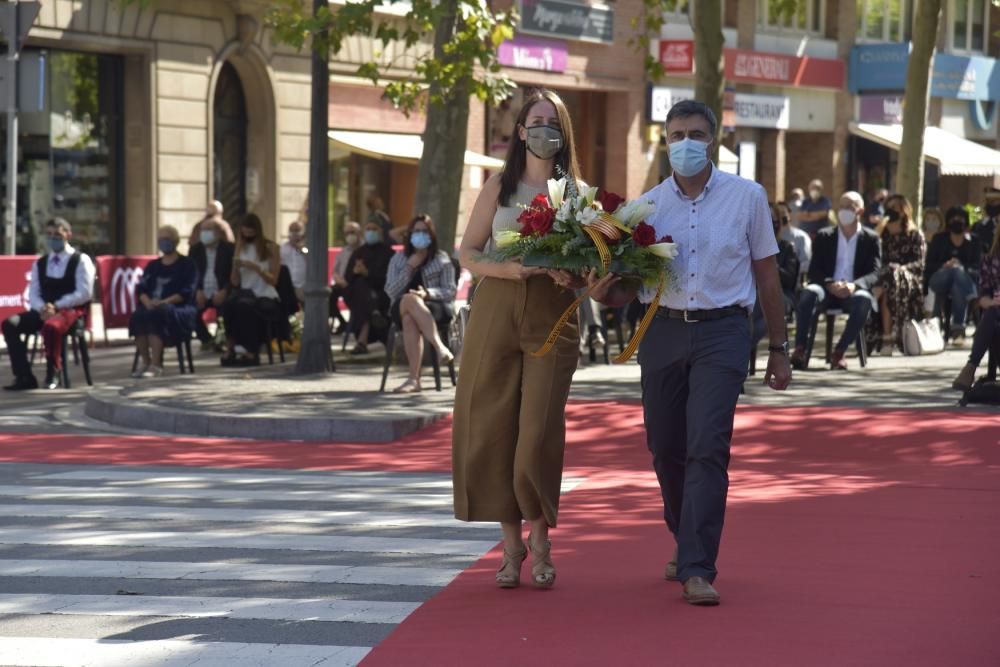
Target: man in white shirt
(846, 261)
(293, 255)
(61, 285)
(696, 354)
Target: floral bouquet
(577, 231)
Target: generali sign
(742, 66)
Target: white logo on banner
(123, 285)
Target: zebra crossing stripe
(220, 514)
(238, 539)
(274, 609)
(59, 652)
(225, 571)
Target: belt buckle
(689, 321)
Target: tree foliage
(469, 60)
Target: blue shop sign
(882, 67)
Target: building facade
(140, 115)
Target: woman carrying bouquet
(509, 426)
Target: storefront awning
(954, 155)
(728, 162)
(405, 148)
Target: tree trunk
(709, 82)
(910, 176)
(315, 355)
(439, 178)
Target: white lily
(589, 195)
(565, 212)
(506, 238)
(635, 212)
(664, 250)
(588, 215)
(557, 191)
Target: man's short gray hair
(688, 108)
(855, 197)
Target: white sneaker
(153, 372)
(140, 371)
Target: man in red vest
(61, 284)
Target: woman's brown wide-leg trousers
(509, 429)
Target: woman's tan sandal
(543, 572)
(509, 574)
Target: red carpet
(853, 538)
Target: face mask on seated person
(372, 237)
(956, 227)
(420, 240)
(166, 246)
(57, 244)
(846, 216)
(892, 215)
(352, 239)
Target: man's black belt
(700, 315)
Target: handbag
(922, 337)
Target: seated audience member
(899, 289)
(254, 300)
(61, 285)
(792, 234)
(365, 292)
(985, 230)
(212, 212)
(421, 284)
(788, 271)
(933, 223)
(166, 312)
(293, 255)
(989, 302)
(213, 257)
(875, 211)
(814, 212)
(952, 268)
(338, 286)
(845, 264)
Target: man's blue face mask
(688, 156)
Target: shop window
(969, 24)
(885, 20)
(70, 153)
(683, 11)
(798, 16)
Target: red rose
(610, 201)
(644, 235)
(666, 239)
(542, 221)
(541, 202)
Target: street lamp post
(315, 355)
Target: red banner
(15, 278)
(119, 276)
(781, 69)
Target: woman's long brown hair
(262, 244)
(516, 162)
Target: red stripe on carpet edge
(852, 537)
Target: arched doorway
(230, 143)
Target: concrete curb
(109, 405)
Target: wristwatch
(780, 349)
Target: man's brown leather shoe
(837, 362)
(698, 591)
(670, 574)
